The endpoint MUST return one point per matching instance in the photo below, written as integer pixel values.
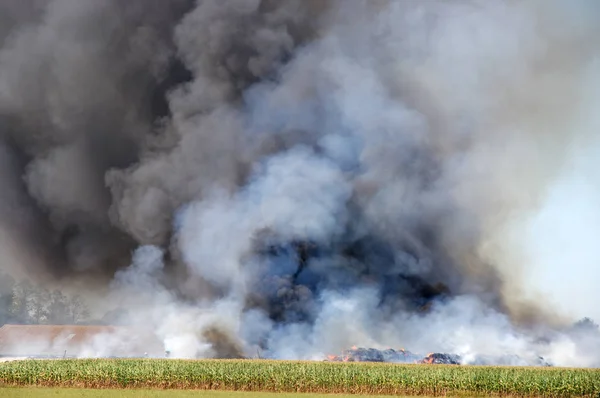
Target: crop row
(287, 376)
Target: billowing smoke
(293, 177)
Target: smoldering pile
(359, 354)
(291, 176)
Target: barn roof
(77, 340)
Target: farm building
(77, 341)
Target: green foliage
(7, 284)
(77, 310)
(316, 377)
(20, 303)
(25, 303)
(37, 392)
(586, 325)
(58, 309)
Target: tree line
(22, 302)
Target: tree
(7, 284)
(78, 310)
(19, 311)
(26, 303)
(58, 309)
(37, 305)
(586, 325)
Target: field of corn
(42, 392)
(315, 377)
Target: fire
(359, 354)
(428, 359)
(439, 358)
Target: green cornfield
(315, 377)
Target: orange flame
(428, 359)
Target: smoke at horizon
(304, 176)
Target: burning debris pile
(360, 354)
(436, 358)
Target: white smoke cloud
(440, 133)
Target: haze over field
(300, 176)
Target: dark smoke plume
(294, 176)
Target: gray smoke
(296, 176)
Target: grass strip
(313, 377)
